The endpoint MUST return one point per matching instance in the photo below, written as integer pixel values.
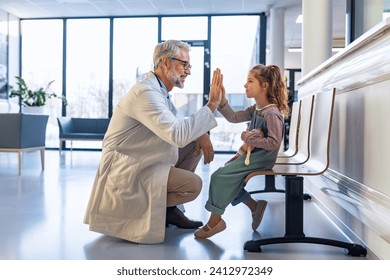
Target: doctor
(149, 155)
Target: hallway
(42, 212)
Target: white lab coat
(128, 199)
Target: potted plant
(29, 98)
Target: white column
(277, 42)
(316, 33)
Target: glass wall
(91, 51)
(184, 28)
(3, 55)
(133, 52)
(191, 29)
(87, 67)
(42, 63)
(234, 55)
(13, 50)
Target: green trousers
(226, 183)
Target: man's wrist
(212, 105)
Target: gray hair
(169, 48)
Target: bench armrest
(64, 125)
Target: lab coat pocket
(122, 190)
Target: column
(316, 33)
(277, 42)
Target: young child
(266, 86)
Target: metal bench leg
(270, 187)
(294, 224)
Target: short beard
(174, 78)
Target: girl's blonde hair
(277, 90)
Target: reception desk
(355, 191)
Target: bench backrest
(293, 131)
(304, 129)
(294, 124)
(82, 125)
(321, 126)
(321, 129)
(90, 125)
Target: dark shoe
(176, 217)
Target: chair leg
(19, 162)
(43, 158)
(294, 224)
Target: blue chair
(23, 133)
(81, 129)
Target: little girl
(266, 86)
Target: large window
(89, 46)
(234, 54)
(87, 67)
(184, 28)
(42, 63)
(191, 29)
(133, 52)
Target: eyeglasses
(185, 64)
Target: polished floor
(41, 214)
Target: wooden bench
(316, 165)
(303, 120)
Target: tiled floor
(41, 215)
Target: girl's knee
(216, 174)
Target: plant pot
(37, 110)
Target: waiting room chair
(23, 133)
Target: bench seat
(82, 136)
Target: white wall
(355, 191)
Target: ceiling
(49, 8)
(99, 8)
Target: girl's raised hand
(215, 95)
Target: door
(190, 99)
